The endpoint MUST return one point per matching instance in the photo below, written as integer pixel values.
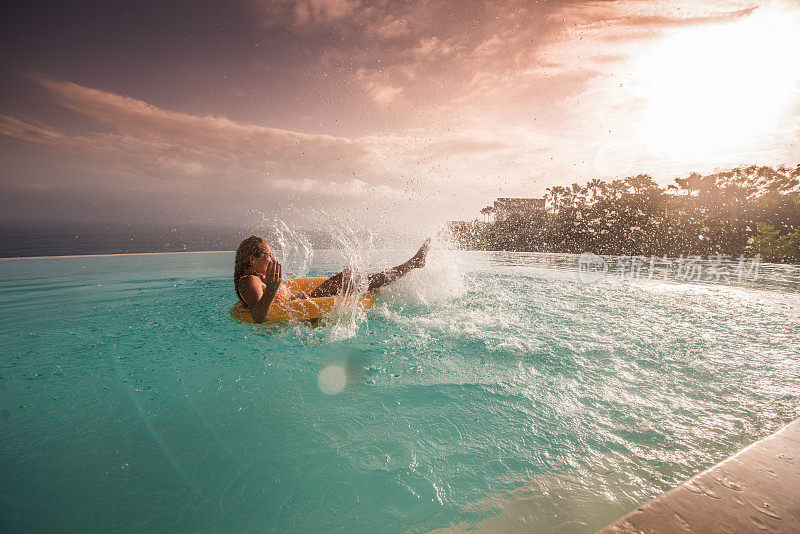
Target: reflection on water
(763, 275)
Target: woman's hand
(259, 297)
(274, 274)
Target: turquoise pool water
(489, 390)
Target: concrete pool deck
(756, 490)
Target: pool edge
(757, 489)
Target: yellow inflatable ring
(283, 309)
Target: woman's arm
(259, 299)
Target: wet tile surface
(757, 490)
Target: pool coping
(757, 489)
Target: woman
(257, 276)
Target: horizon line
(112, 254)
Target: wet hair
(253, 245)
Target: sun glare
(722, 87)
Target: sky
(397, 116)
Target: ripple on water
(487, 391)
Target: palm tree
(554, 195)
(691, 184)
(616, 189)
(578, 195)
(641, 183)
(594, 186)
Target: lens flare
(332, 379)
(721, 87)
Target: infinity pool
(489, 390)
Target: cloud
(303, 12)
(426, 64)
(383, 94)
(492, 99)
(420, 61)
(149, 141)
(631, 14)
(153, 146)
(458, 146)
(416, 50)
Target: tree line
(746, 210)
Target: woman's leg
(329, 287)
(342, 281)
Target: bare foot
(418, 260)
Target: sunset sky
(397, 115)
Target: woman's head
(254, 254)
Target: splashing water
(296, 251)
(359, 256)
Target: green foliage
(748, 209)
(774, 247)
